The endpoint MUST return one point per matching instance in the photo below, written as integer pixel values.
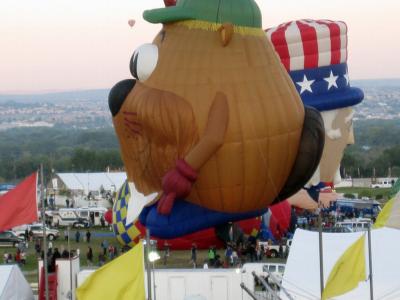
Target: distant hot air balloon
(131, 22)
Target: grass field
(366, 192)
(176, 259)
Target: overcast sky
(52, 45)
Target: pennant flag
(348, 271)
(122, 278)
(390, 214)
(19, 206)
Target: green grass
(60, 243)
(177, 259)
(368, 192)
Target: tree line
(59, 150)
(386, 163)
(376, 152)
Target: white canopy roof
(302, 276)
(93, 181)
(13, 285)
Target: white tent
(13, 285)
(93, 181)
(302, 276)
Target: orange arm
(214, 135)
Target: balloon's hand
(326, 198)
(177, 183)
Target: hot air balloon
(131, 22)
(321, 77)
(276, 221)
(211, 118)
(128, 234)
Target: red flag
(19, 205)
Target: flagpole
(70, 264)
(46, 281)
(371, 284)
(321, 256)
(148, 267)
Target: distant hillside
(89, 95)
(376, 83)
(81, 137)
(101, 94)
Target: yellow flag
(348, 271)
(384, 215)
(122, 278)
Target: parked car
(10, 239)
(37, 230)
(81, 223)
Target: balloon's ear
(226, 33)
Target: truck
(272, 250)
(383, 183)
(79, 217)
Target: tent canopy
(301, 277)
(13, 285)
(93, 181)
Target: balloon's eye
(144, 61)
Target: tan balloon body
(171, 108)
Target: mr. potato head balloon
(314, 52)
(212, 116)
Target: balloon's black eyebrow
(163, 34)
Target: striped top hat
(314, 52)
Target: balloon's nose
(118, 94)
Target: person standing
(104, 245)
(88, 235)
(166, 253)
(211, 256)
(23, 258)
(111, 252)
(89, 256)
(18, 257)
(280, 250)
(194, 255)
(67, 202)
(30, 235)
(26, 234)
(228, 256)
(50, 247)
(66, 235)
(102, 258)
(38, 247)
(56, 255)
(77, 236)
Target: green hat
(237, 12)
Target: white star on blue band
(331, 80)
(305, 85)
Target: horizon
(68, 45)
(60, 91)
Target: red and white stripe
(306, 44)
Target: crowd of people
(234, 254)
(19, 257)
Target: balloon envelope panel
(126, 234)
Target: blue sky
(49, 45)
